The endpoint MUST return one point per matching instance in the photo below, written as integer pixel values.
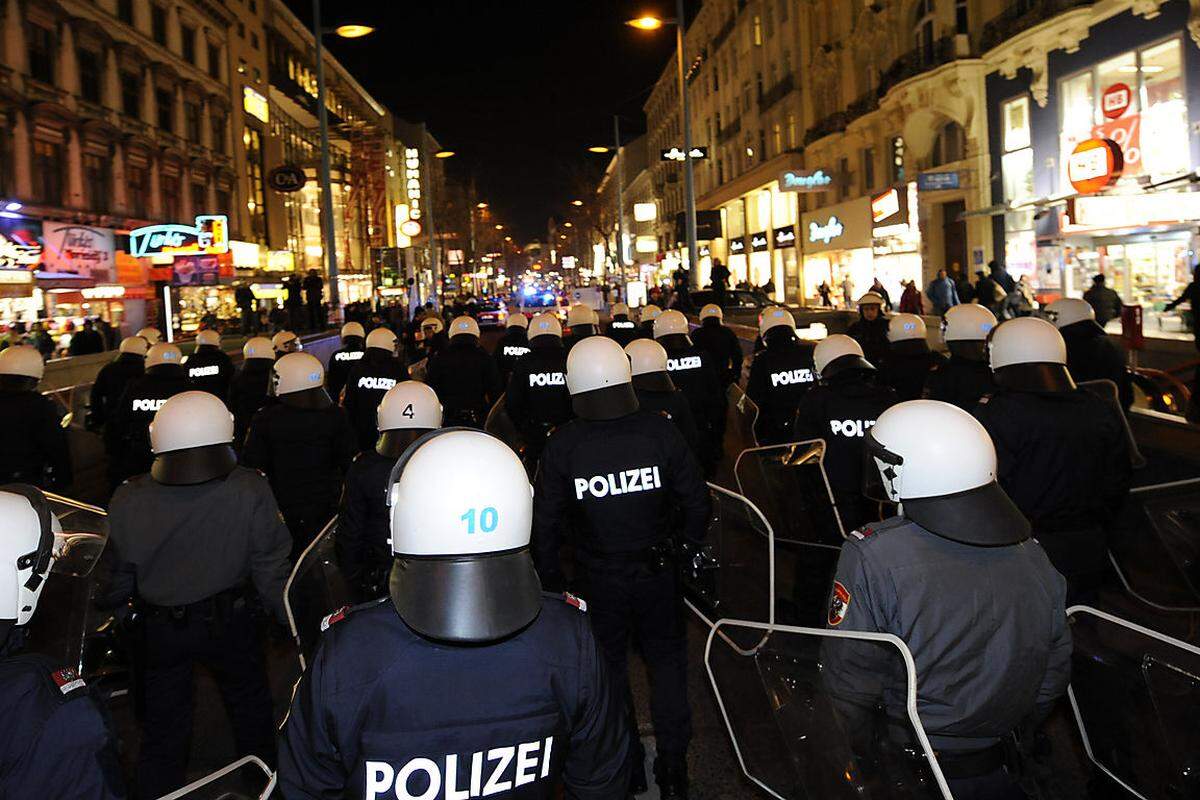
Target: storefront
(202, 291)
(759, 251)
(896, 239)
(20, 300)
(837, 245)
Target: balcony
(1020, 16)
(729, 131)
(833, 123)
(919, 60)
(776, 93)
(723, 34)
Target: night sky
(517, 89)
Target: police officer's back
(720, 342)
(964, 377)
(209, 368)
(656, 391)
(354, 345)
(646, 318)
(871, 328)
(626, 482)
(58, 742)
(112, 379)
(1091, 354)
(840, 410)
(304, 444)
(780, 375)
(1063, 452)
(582, 322)
(537, 399)
(409, 410)
(34, 449)
(472, 676)
(693, 373)
(381, 368)
(284, 342)
(250, 388)
(961, 581)
(127, 434)
(513, 345)
(432, 332)
(464, 376)
(195, 542)
(909, 359)
(621, 328)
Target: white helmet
(299, 379)
(774, 317)
(26, 550)
(258, 347)
(190, 437)
(711, 310)
(579, 314)
(23, 360)
(905, 327)
(649, 313)
(464, 326)
(461, 510)
(599, 380)
(382, 339)
(545, 324)
(836, 353)
(939, 463)
(968, 322)
(619, 309)
(670, 323)
(163, 353)
(871, 299)
(1028, 353)
(151, 335)
(517, 320)
(1069, 310)
(409, 404)
(648, 366)
(135, 345)
(285, 342)
(208, 338)
(432, 324)
(353, 329)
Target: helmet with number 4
(408, 410)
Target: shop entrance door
(954, 235)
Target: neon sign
(825, 233)
(209, 236)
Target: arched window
(923, 31)
(950, 145)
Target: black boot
(670, 773)
(637, 768)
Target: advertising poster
(78, 250)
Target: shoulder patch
(984, 399)
(572, 600)
(335, 618)
(67, 680)
(839, 604)
(865, 532)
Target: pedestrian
(824, 291)
(464, 376)
(877, 288)
(720, 342)
(988, 293)
(962, 285)
(848, 291)
(719, 276)
(209, 368)
(910, 298)
(314, 286)
(127, 431)
(537, 399)
(246, 303)
(695, 374)
(87, 341)
(513, 345)
(1103, 300)
(41, 340)
(1191, 295)
(679, 284)
(656, 392)
(294, 302)
(621, 327)
(249, 389)
(369, 378)
(942, 293)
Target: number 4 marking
(488, 518)
(408, 411)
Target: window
(961, 19)
(223, 197)
(90, 73)
(923, 31)
(125, 11)
(164, 99)
(158, 23)
(950, 145)
(254, 40)
(762, 145)
(868, 168)
(137, 190)
(255, 203)
(1015, 118)
(189, 44)
(217, 120)
(1164, 110)
(896, 163)
(791, 131)
(242, 30)
(777, 137)
(253, 7)
(844, 178)
(768, 19)
(191, 121)
(241, 66)
(97, 182)
(41, 54)
(199, 198)
(47, 172)
(783, 10)
(131, 94)
(214, 61)
(171, 201)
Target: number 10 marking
(489, 518)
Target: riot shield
(499, 424)
(315, 589)
(1155, 545)
(1106, 390)
(743, 414)
(1136, 697)
(823, 714)
(247, 778)
(417, 370)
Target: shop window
(1165, 114)
(164, 100)
(48, 168)
(131, 94)
(214, 61)
(91, 72)
(41, 54)
(188, 35)
(171, 200)
(125, 11)
(191, 121)
(1016, 164)
(158, 23)
(97, 182)
(923, 31)
(868, 168)
(255, 203)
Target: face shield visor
(883, 471)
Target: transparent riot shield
(315, 589)
(417, 370)
(822, 714)
(1106, 390)
(245, 779)
(500, 425)
(743, 413)
(1136, 697)
(1155, 545)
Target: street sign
(937, 181)
(1115, 100)
(287, 178)
(1095, 164)
(678, 154)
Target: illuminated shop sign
(804, 180)
(826, 232)
(78, 250)
(412, 181)
(785, 237)
(209, 236)
(737, 246)
(679, 154)
(20, 243)
(758, 242)
(885, 205)
(16, 277)
(255, 104)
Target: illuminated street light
(508, 238)
(647, 23)
(481, 205)
(499, 227)
(444, 154)
(353, 31)
(599, 148)
(568, 224)
(577, 203)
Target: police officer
(465, 376)
(352, 349)
(112, 379)
(34, 449)
(721, 343)
(151, 334)
(513, 345)
(209, 368)
(408, 410)
(195, 542)
(621, 329)
(285, 342)
(965, 376)
(871, 328)
(693, 374)
(477, 682)
(656, 391)
(59, 743)
(909, 360)
(1064, 454)
(628, 483)
(537, 399)
(959, 547)
(369, 379)
(304, 444)
(646, 318)
(780, 375)
(127, 433)
(1091, 354)
(251, 385)
(841, 409)
(433, 337)
(582, 321)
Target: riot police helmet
(353, 330)
(544, 324)
(906, 328)
(1029, 354)
(432, 324)
(517, 320)
(775, 317)
(152, 335)
(21, 367)
(838, 353)
(298, 380)
(191, 436)
(619, 310)
(408, 410)
(712, 311)
(966, 328)
(649, 313)
(285, 342)
(870, 299)
(382, 339)
(671, 323)
(258, 347)
(938, 462)
(464, 326)
(134, 345)
(163, 356)
(599, 380)
(208, 338)
(1069, 311)
(26, 552)
(648, 366)
(461, 511)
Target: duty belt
(220, 606)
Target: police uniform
(694, 375)
(872, 336)
(248, 392)
(110, 385)
(723, 345)
(674, 406)
(578, 334)
(341, 361)
(1092, 355)
(210, 369)
(537, 399)
(622, 330)
(34, 449)
(467, 381)
(362, 532)
(126, 436)
(513, 346)
(780, 376)
(906, 367)
(958, 380)
(366, 384)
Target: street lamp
(444, 154)
(649, 23)
(353, 31)
(481, 206)
(598, 148)
(577, 203)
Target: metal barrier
(246, 778)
